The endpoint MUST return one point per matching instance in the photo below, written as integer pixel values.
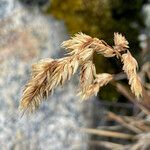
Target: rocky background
(26, 36)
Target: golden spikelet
(41, 66)
(101, 47)
(85, 55)
(100, 80)
(35, 90)
(46, 76)
(129, 66)
(81, 42)
(136, 86)
(77, 43)
(87, 75)
(120, 42)
(49, 73)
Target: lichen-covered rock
(25, 38)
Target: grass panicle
(50, 73)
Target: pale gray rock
(26, 37)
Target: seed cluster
(49, 73)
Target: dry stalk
(143, 105)
(122, 121)
(106, 145)
(49, 73)
(106, 133)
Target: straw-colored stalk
(49, 73)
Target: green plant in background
(101, 18)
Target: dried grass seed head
(46, 76)
(129, 66)
(49, 73)
(35, 90)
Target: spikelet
(82, 42)
(100, 80)
(103, 48)
(46, 76)
(87, 75)
(121, 44)
(86, 55)
(35, 90)
(129, 66)
(77, 43)
(41, 66)
(136, 86)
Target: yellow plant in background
(84, 15)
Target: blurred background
(31, 30)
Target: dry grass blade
(106, 144)
(125, 92)
(132, 123)
(123, 122)
(108, 133)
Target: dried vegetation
(50, 73)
